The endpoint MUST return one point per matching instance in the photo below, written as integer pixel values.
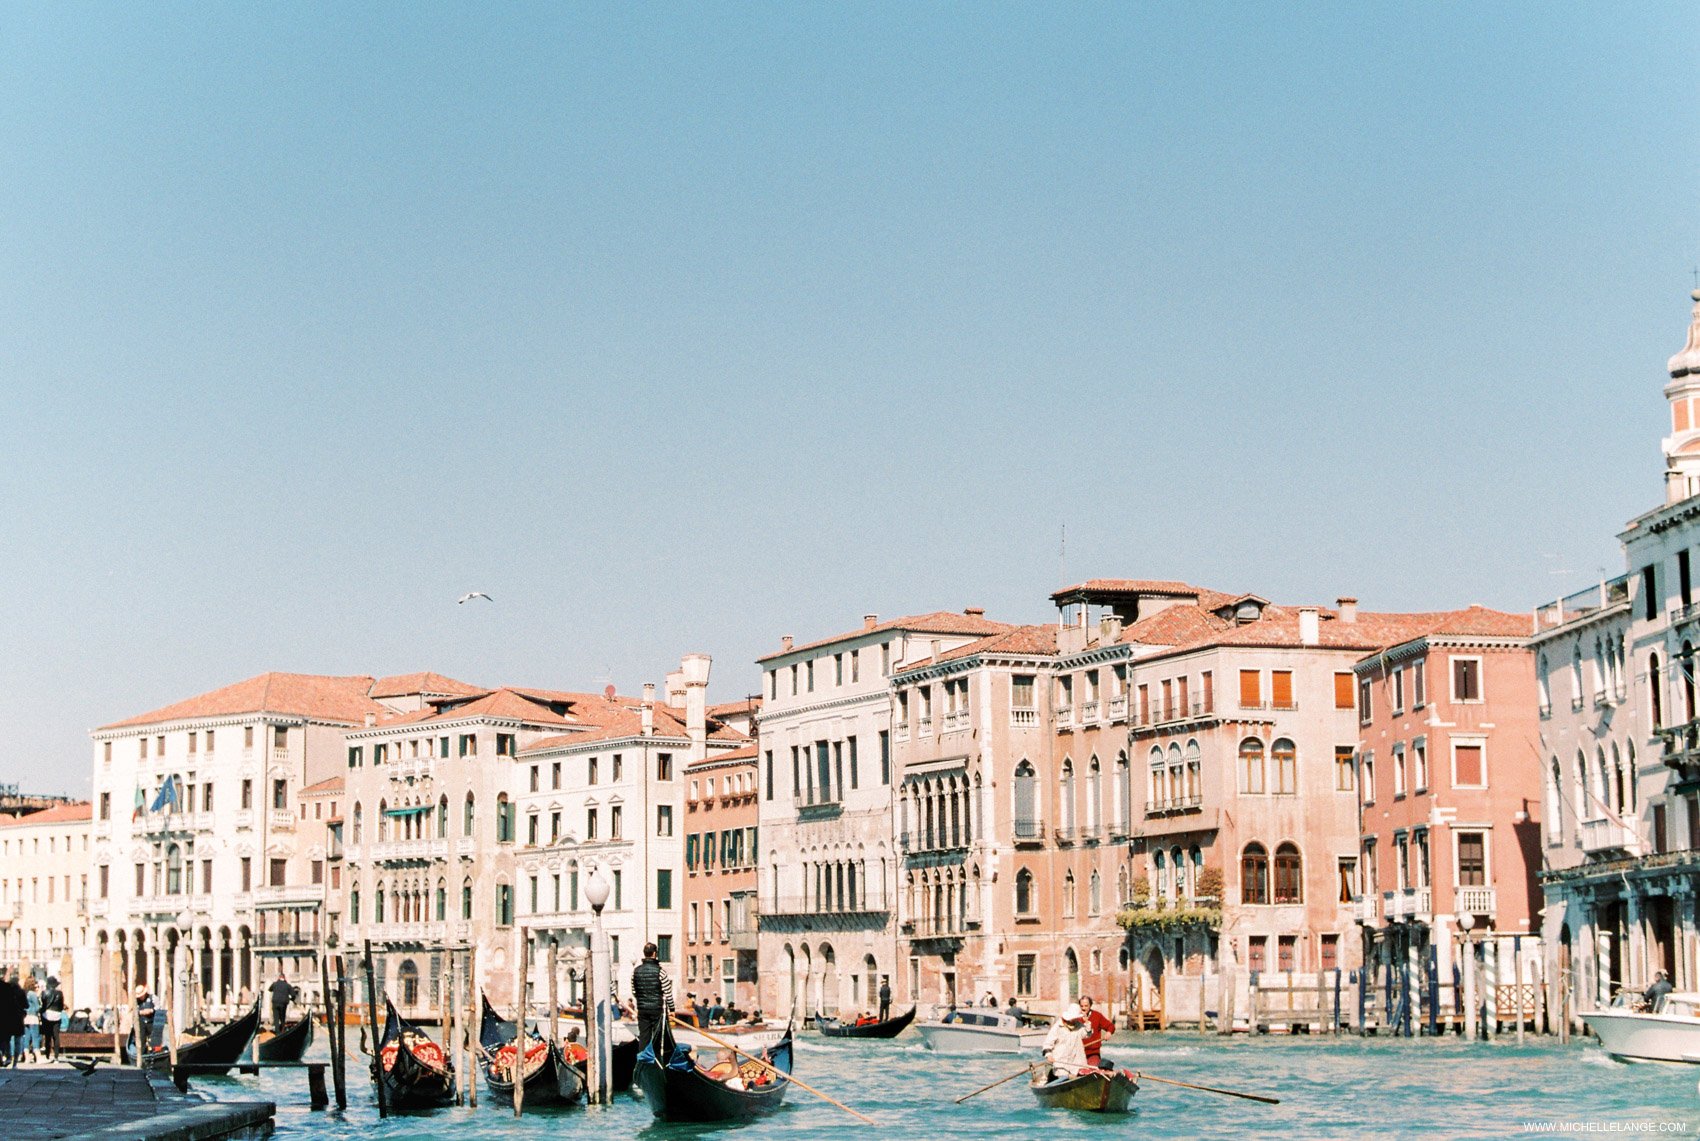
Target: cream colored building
(44, 899)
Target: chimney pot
(975, 611)
(371, 720)
(1348, 608)
(649, 693)
(785, 642)
(869, 621)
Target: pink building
(720, 877)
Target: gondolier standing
(281, 994)
(885, 997)
(652, 991)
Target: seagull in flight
(468, 597)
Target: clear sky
(683, 327)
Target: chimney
(371, 720)
(1310, 632)
(1348, 608)
(693, 669)
(784, 643)
(975, 611)
(869, 621)
(676, 688)
(608, 691)
(648, 709)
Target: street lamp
(599, 982)
(1467, 952)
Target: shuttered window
(1251, 689)
(1467, 766)
(1281, 688)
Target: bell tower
(1682, 446)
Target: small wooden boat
(550, 1077)
(1096, 1092)
(289, 1044)
(216, 1053)
(415, 1072)
(681, 1090)
(873, 1028)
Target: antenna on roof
(605, 679)
(1062, 568)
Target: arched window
(1602, 788)
(1024, 900)
(1072, 962)
(466, 899)
(1656, 691)
(1555, 803)
(1175, 784)
(173, 870)
(470, 817)
(443, 818)
(408, 976)
(1158, 796)
(1577, 690)
(1286, 760)
(354, 905)
(1194, 774)
(1254, 874)
(1094, 798)
(1094, 894)
(441, 911)
(1584, 806)
(1687, 681)
(1122, 896)
(378, 905)
(1068, 895)
(1617, 789)
(1251, 766)
(1124, 794)
(358, 815)
(1289, 878)
(1178, 862)
(1065, 810)
(1160, 874)
(504, 819)
(1027, 826)
(383, 820)
(1634, 794)
(1544, 681)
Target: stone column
(1635, 953)
(221, 943)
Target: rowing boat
(1099, 1091)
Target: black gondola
(414, 1070)
(289, 1044)
(681, 1091)
(890, 1028)
(217, 1053)
(550, 1079)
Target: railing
(1023, 718)
(903, 730)
(942, 841)
(1583, 602)
(808, 905)
(1475, 900)
(924, 726)
(1182, 711)
(1065, 716)
(958, 719)
(386, 851)
(1118, 708)
(1366, 909)
(1064, 834)
(280, 756)
(1607, 835)
(1415, 901)
(99, 907)
(286, 939)
(934, 927)
(1681, 614)
(1088, 711)
(1029, 830)
(277, 895)
(1165, 805)
(245, 818)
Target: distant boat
(413, 1070)
(217, 1053)
(1097, 1092)
(680, 1090)
(976, 1031)
(1670, 1035)
(873, 1028)
(289, 1044)
(752, 1038)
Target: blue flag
(167, 796)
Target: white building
(1621, 741)
(196, 825)
(44, 904)
(827, 887)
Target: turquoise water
(1330, 1088)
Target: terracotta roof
(742, 753)
(621, 722)
(1039, 641)
(1129, 586)
(537, 706)
(1190, 628)
(938, 622)
(301, 695)
(58, 814)
(730, 708)
(434, 684)
(325, 787)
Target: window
(1419, 761)
(504, 819)
(1254, 874)
(531, 823)
(1397, 680)
(1366, 775)
(1419, 684)
(1024, 901)
(1344, 770)
(1343, 690)
(616, 820)
(1289, 878)
(1286, 760)
(618, 893)
(1281, 688)
(504, 905)
(1251, 689)
(838, 669)
(811, 674)
(1467, 679)
(280, 794)
(664, 948)
(1346, 869)
(469, 744)
(1251, 765)
(1025, 969)
(664, 820)
(555, 775)
(1472, 859)
(1364, 705)
(1468, 769)
(664, 889)
(768, 758)
(466, 899)
(618, 765)
(1021, 691)
(536, 777)
(664, 766)
(885, 756)
(590, 824)
(591, 771)
(1399, 770)
(1330, 952)
(355, 756)
(1286, 952)
(467, 817)
(106, 806)
(855, 775)
(1257, 953)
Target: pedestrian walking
(52, 1014)
(652, 991)
(31, 1043)
(145, 1011)
(11, 1019)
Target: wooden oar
(771, 1068)
(1207, 1089)
(994, 1085)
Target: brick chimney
(869, 621)
(975, 611)
(784, 643)
(1348, 608)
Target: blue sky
(680, 328)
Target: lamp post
(599, 983)
(1467, 944)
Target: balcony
(807, 913)
(1591, 600)
(1173, 805)
(1474, 900)
(1609, 836)
(280, 756)
(1088, 711)
(924, 726)
(99, 908)
(245, 818)
(1682, 745)
(955, 721)
(939, 927)
(742, 935)
(280, 940)
(403, 932)
(1410, 903)
(1118, 708)
(1029, 832)
(282, 820)
(1366, 909)
(902, 730)
(290, 895)
(1023, 718)
(1065, 716)
(403, 851)
(914, 843)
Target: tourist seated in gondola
(1065, 1046)
(573, 1050)
(725, 1070)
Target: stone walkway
(51, 1102)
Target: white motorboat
(747, 1037)
(1672, 1034)
(980, 1032)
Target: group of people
(1075, 1044)
(710, 1011)
(30, 1016)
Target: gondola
(289, 1044)
(1097, 1092)
(550, 1078)
(890, 1028)
(680, 1091)
(415, 1072)
(217, 1053)
(624, 1055)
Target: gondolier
(885, 997)
(652, 991)
(282, 994)
(1098, 1028)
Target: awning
(407, 811)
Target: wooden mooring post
(1225, 1003)
(339, 1037)
(372, 1021)
(473, 1018)
(523, 945)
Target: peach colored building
(719, 902)
(1450, 772)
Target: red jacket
(1097, 1028)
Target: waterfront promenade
(56, 1102)
(1330, 1088)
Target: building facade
(827, 933)
(44, 899)
(721, 842)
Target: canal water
(1343, 1087)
